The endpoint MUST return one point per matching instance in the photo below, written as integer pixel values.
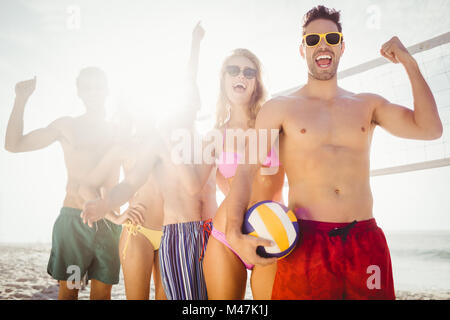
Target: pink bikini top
(228, 161)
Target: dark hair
(322, 12)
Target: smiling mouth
(323, 61)
(239, 87)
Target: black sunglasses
(234, 71)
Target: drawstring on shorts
(342, 232)
(206, 230)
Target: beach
(421, 266)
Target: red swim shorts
(336, 261)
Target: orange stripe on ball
(274, 226)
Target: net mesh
(391, 82)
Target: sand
(23, 276)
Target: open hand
(134, 213)
(246, 245)
(93, 211)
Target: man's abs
(331, 203)
(330, 186)
(73, 199)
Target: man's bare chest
(81, 137)
(84, 147)
(340, 124)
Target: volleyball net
(391, 154)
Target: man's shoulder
(280, 103)
(369, 97)
(284, 104)
(62, 124)
(274, 111)
(64, 120)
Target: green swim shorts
(76, 246)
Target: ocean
(420, 260)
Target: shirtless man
(188, 193)
(84, 139)
(325, 136)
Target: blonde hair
(258, 96)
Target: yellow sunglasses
(331, 38)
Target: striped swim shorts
(180, 256)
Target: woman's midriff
(149, 196)
(153, 215)
(268, 187)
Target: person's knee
(100, 290)
(64, 293)
(103, 294)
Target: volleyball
(272, 221)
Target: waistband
(75, 213)
(192, 225)
(70, 211)
(311, 225)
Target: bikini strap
(132, 229)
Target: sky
(144, 45)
